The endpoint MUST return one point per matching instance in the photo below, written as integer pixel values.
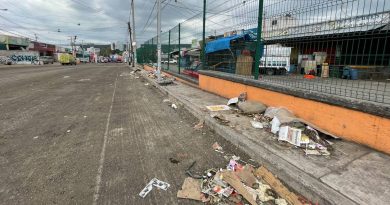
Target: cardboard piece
(235, 182)
(190, 189)
(246, 176)
(277, 186)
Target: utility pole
(82, 48)
(133, 43)
(71, 43)
(159, 40)
(36, 37)
(131, 47)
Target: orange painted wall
(352, 125)
(148, 68)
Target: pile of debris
(236, 184)
(281, 122)
(164, 80)
(287, 127)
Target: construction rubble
(238, 183)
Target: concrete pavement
(353, 174)
(93, 134)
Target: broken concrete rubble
(251, 107)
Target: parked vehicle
(83, 60)
(274, 65)
(171, 61)
(66, 59)
(46, 59)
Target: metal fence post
(169, 48)
(259, 47)
(204, 37)
(178, 63)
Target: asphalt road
(93, 134)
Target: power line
(150, 23)
(150, 15)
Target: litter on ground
(153, 183)
(216, 108)
(235, 184)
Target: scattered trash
(257, 125)
(216, 146)
(166, 101)
(85, 116)
(220, 118)
(68, 131)
(165, 81)
(235, 158)
(233, 181)
(233, 101)
(237, 184)
(312, 152)
(193, 175)
(174, 106)
(66, 76)
(136, 77)
(36, 137)
(146, 84)
(215, 108)
(290, 135)
(251, 107)
(199, 125)
(84, 79)
(247, 176)
(277, 186)
(153, 183)
(174, 161)
(275, 125)
(281, 202)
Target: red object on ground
(309, 76)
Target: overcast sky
(105, 21)
(101, 21)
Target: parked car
(46, 59)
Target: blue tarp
(223, 43)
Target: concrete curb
(296, 179)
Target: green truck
(66, 59)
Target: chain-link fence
(335, 47)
